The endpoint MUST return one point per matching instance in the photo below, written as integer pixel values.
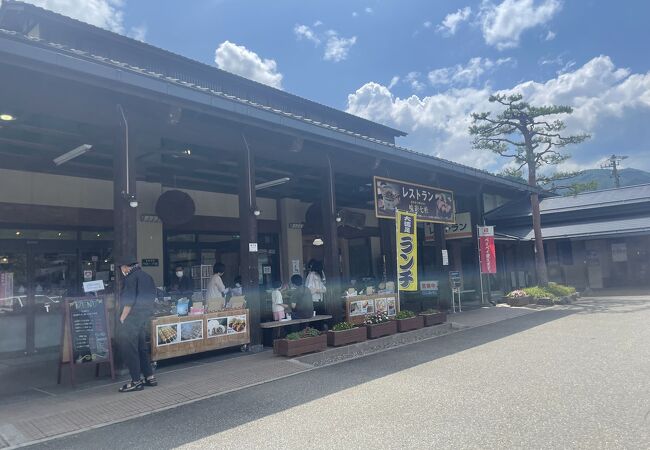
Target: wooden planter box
(520, 301)
(345, 337)
(382, 329)
(285, 347)
(434, 319)
(410, 324)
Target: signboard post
(487, 253)
(407, 252)
(456, 286)
(86, 337)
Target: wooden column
(444, 293)
(125, 218)
(387, 242)
(331, 261)
(248, 235)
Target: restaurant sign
(427, 203)
(407, 252)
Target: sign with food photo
(167, 334)
(427, 203)
(237, 324)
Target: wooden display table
(358, 307)
(173, 336)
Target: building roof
(592, 229)
(594, 200)
(77, 59)
(26, 18)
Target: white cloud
(549, 36)
(466, 75)
(369, 10)
(106, 14)
(355, 14)
(610, 103)
(337, 48)
(413, 79)
(452, 20)
(138, 33)
(427, 24)
(304, 32)
(239, 60)
(503, 24)
(393, 82)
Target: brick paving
(77, 410)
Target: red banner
(486, 249)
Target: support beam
(248, 235)
(331, 264)
(124, 182)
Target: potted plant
(306, 341)
(408, 321)
(345, 333)
(433, 317)
(379, 325)
(518, 298)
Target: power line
(614, 162)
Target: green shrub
(406, 314)
(307, 332)
(342, 326)
(430, 311)
(560, 290)
(538, 292)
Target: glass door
(13, 301)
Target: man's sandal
(132, 386)
(151, 381)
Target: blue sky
(421, 66)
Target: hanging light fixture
(318, 242)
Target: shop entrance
(38, 269)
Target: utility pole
(614, 162)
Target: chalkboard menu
(86, 334)
(89, 330)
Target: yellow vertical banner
(407, 251)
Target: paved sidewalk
(76, 410)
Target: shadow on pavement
(188, 423)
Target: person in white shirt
(278, 305)
(315, 280)
(216, 289)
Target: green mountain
(605, 180)
(602, 177)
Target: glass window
(97, 235)
(181, 238)
(37, 234)
(216, 237)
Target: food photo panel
(192, 331)
(217, 327)
(167, 334)
(236, 324)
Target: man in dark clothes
(183, 283)
(137, 300)
(302, 303)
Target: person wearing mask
(302, 303)
(216, 289)
(183, 283)
(136, 302)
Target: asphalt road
(575, 378)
